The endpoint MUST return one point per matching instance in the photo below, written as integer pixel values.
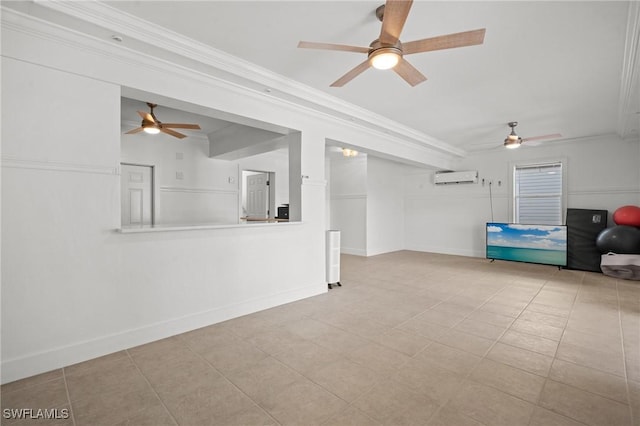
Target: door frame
(272, 190)
(153, 187)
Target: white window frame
(533, 163)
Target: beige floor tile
(303, 403)
(47, 394)
(467, 342)
(390, 402)
(530, 342)
(551, 310)
(426, 378)
(543, 318)
(272, 341)
(340, 340)
(56, 416)
(202, 339)
(634, 402)
(424, 328)
(491, 318)
(308, 328)
(181, 374)
(609, 362)
(588, 379)
(608, 343)
(378, 358)
(502, 307)
(521, 358)
(345, 378)
(449, 417)
(208, 403)
(306, 356)
(407, 342)
(117, 377)
(251, 415)
(490, 406)
(114, 407)
(455, 360)
(233, 356)
(513, 381)
(30, 381)
(155, 415)
(351, 416)
(537, 329)
(583, 406)
(544, 417)
(265, 377)
(481, 329)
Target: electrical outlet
(179, 175)
(232, 179)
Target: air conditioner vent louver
(444, 177)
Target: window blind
(538, 194)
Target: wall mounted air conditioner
(444, 177)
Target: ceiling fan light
(512, 143)
(384, 59)
(152, 130)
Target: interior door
(258, 195)
(136, 192)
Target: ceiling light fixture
(151, 129)
(385, 58)
(346, 152)
(513, 140)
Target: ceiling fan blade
(131, 132)
(351, 74)
(449, 41)
(409, 73)
(540, 138)
(146, 116)
(330, 46)
(394, 17)
(172, 133)
(181, 126)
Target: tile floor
(410, 338)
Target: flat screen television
(545, 244)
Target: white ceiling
(555, 67)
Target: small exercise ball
(620, 239)
(627, 215)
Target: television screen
(546, 244)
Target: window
(538, 194)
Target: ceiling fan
(387, 51)
(514, 141)
(150, 124)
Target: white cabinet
(333, 258)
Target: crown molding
(130, 27)
(628, 104)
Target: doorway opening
(136, 195)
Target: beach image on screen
(545, 244)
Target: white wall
(348, 182)
(385, 206)
(72, 287)
(602, 173)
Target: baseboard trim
(353, 251)
(32, 364)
